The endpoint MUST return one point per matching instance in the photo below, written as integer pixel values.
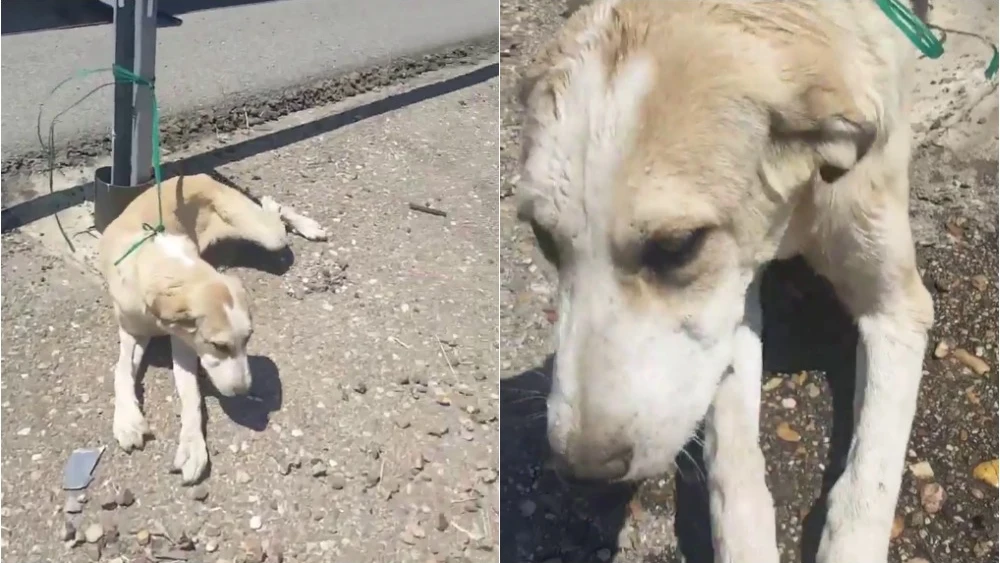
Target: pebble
(987, 472)
(253, 551)
(442, 522)
(372, 479)
(786, 433)
(813, 390)
(438, 431)
(199, 493)
(980, 282)
(109, 503)
(922, 470)
(917, 560)
(969, 360)
(932, 497)
(318, 468)
(942, 349)
(338, 481)
(142, 537)
(297, 432)
(68, 531)
(211, 546)
(603, 554)
(527, 507)
(788, 403)
(125, 497)
(93, 533)
(274, 552)
(73, 506)
(242, 477)
(772, 384)
(255, 523)
(897, 527)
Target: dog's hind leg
(738, 493)
(869, 256)
(191, 459)
(129, 424)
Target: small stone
(786, 433)
(980, 282)
(969, 360)
(338, 481)
(93, 533)
(897, 527)
(442, 522)
(772, 384)
(242, 477)
(986, 472)
(916, 519)
(372, 479)
(68, 531)
(438, 431)
(318, 468)
(199, 493)
(603, 554)
(255, 523)
(184, 543)
(922, 470)
(932, 497)
(109, 503)
(416, 531)
(125, 497)
(407, 538)
(788, 403)
(527, 507)
(253, 551)
(211, 546)
(73, 506)
(800, 378)
(917, 560)
(142, 537)
(297, 433)
(813, 390)
(942, 349)
(360, 388)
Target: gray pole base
(110, 200)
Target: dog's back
(198, 207)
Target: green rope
(911, 26)
(923, 38)
(120, 74)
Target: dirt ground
(809, 352)
(372, 432)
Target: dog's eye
(546, 243)
(661, 255)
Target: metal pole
(121, 135)
(145, 66)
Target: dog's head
(661, 163)
(211, 313)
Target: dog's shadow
(227, 254)
(806, 328)
(252, 410)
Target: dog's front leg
(877, 279)
(192, 454)
(742, 510)
(129, 425)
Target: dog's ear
(829, 126)
(171, 307)
(820, 131)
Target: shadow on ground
(51, 203)
(806, 329)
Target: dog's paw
(130, 427)
(309, 229)
(191, 459)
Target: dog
(670, 150)
(164, 287)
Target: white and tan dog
(671, 150)
(164, 287)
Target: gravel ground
(809, 358)
(374, 435)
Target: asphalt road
(220, 54)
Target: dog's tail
(230, 214)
